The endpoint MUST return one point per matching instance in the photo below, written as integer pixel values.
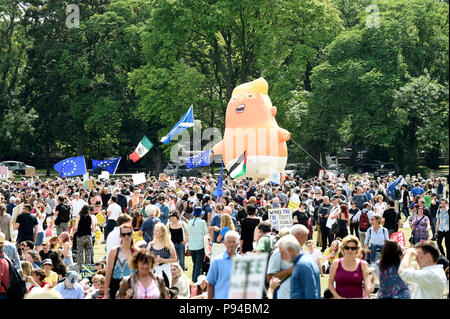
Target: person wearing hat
(70, 288)
(199, 289)
(50, 276)
(197, 230)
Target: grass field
(101, 250)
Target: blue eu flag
(71, 166)
(218, 192)
(203, 159)
(109, 165)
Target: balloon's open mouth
(240, 108)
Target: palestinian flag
(239, 167)
(144, 146)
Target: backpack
(364, 223)
(17, 287)
(64, 213)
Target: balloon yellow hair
(257, 86)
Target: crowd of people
(341, 228)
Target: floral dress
(391, 285)
(420, 227)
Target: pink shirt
(152, 292)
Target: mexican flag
(239, 167)
(144, 146)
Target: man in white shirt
(77, 204)
(113, 211)
(430, 280)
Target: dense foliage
(343, 73)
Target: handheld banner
(247, 276)
(280, 218)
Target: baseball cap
(200, 280)
(47, 262)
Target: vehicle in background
(18, 168)
(339, 169)
(386, 169)
(296, 169)
(367, 166)
(180, 170)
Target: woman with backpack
(375, 237)
(420, 226)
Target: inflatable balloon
(251, 129)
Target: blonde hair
(225, 220)
(27, 267)
(166, 240)
(351, 239)
(181, 272)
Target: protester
(197, 230)
(5, 222)
(199, 289)
(4, 270)
(51, 277)
(420, 226)
(248, 226)
(429, 281)
(113, 212)
(305, 281)
(391, 285)
(179, 236)
(117, 265)
(442, 223)
(349, 274)
(83, 228)
(27, 225)
(70, 288)
(219, 274)
(391, 218)
(375, 238)
(143, 283)
(180, 281)
(66, 249)
(164, 251)
(315, 255)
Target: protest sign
(4, 174)
(293, 205)
(138, 178)
(87, 270)
(86, 177)
(247, 276)
(327, 174)
(280, 218)
(216, 250)
(100, 218)
(104, 174)
(399, 237)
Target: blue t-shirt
(164, 217)
(219, 275)
(147, 228)
(216, 222)
(223, 232)
(305, 279)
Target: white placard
(86, 177)
(104, 174)
(331, 174)
(247, 276)
(138, 178)
(172, 183)
(280, 218)
(4, 172)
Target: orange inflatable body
(250, 126)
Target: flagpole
(117, 166)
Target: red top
(349, 284)
(4, 274)
(43, 284)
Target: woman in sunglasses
(118, 266)
(349, 274)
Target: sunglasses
(126, 234)
(350, 248)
